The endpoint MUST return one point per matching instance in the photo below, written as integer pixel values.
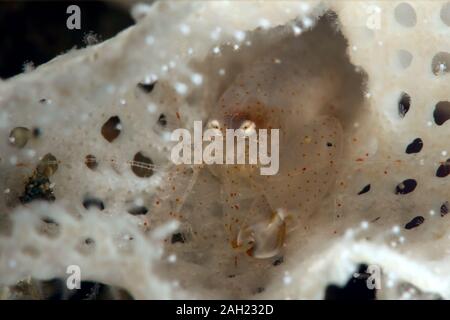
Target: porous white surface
(318, 77)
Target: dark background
(36, 32)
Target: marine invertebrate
(359, 150)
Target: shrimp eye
(254, 115)
(248, 126)
(213, 124)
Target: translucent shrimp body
(258, 209)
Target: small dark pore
(48, 220)
(278, 261)
(110, 129)
(415, 146)
(445, 208)
(406, 186)
(364, 190)
(178, 237)
(404, 104)
(91, 162)
(146, 87)
(138, 210)
(443, 170)
(37, 132)
(441, 112)
(93, 202)
(162, 120)
(415, 222)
